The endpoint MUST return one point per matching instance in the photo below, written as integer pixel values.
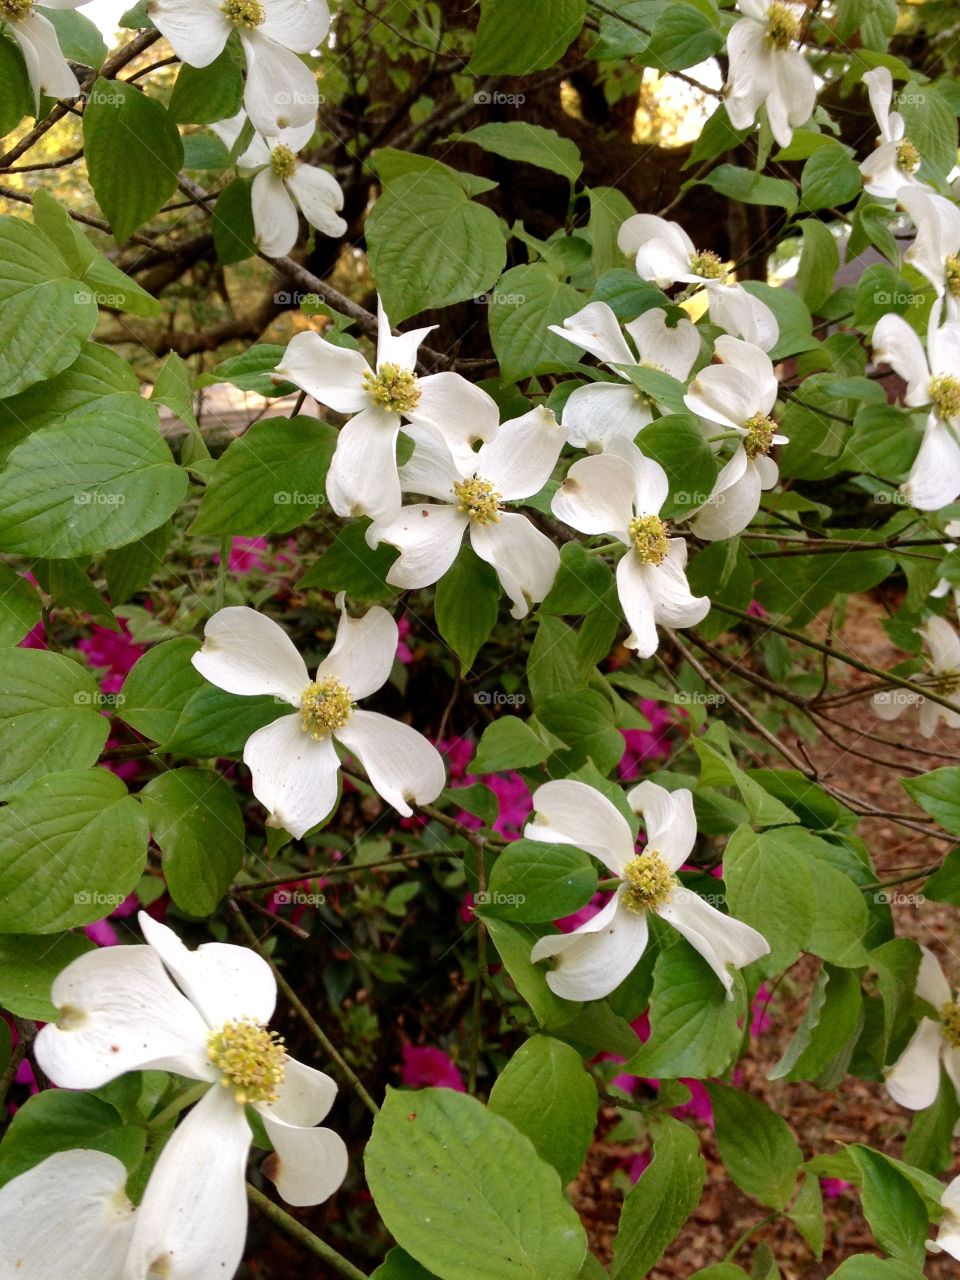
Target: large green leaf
(159, 687)
(530, 143)
(756, 1146)
(60, 1120)
(16, 97)
(466, 605)
(938, 792)
(892, 1206)
(536, 881)
(508, 743)
(466, 1194)
(513, 40)
(768, 886)
(20, 606)
(526, 301)
(28, 966)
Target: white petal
(934, 479)
(457, 410)
(896, 344)
(67, 1216)
(571, 812)
(299, 25)
(192, 1221)
(796, 93)
(281, 91)
(432, 469)
(882, 173)
(398, 348)
(596, 414)
(594, 959)
(674, 349)
(401, 764)
(120, 1012)
(362, 479)
(943, 346)
(723, 395)
(226, 983)
(320, 197)
(753, 361)
(275, 218)
(932, 984)
(247, 653)
(307, 1165)
(644, 227)
(305, 1097)
(914, 1079)
(429, 537)
(659, 261)
(720, 939)
(734, 501)
(47, 68)
(195, 29)
(943, 643)
(596, 329)
(650, 484)
(673, 604)
(363, 652)
(879, 85)
(525, 559)
(637, 604)
(597, 496)
(669, 821)
(332, 375)
(890, 704)
(520, 457)
(743, 315)
(938, 233)
(294, 775)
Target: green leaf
(677, 443)
(466, 605)
(16, 96)
(748, 187)
(719, 769)
(430, 245)
(159, 687)
(61, 1120)
(660, 1203)
(582, 581)
(50, 717)
(527, 300)
(350, 565)
(514, 40)
(215, 723)
(254, 370)
(514, 943)
(508, 743)
(532, 880)
(45, 312)
(197, 824)
(769, 886)
(895, 1211)
(79, 38)
(868, 1267)
(102, 480)
(531, 144)
(818, 263)
(466, 1194)
(205, 95)
(133, 153)
(234, 234)
(391, 164)
(269, 480)
(131, 568)
(931, 124)
(28, 966)
(830, 178)
(929, 1143)
(20, 606)
(584, 722)
(717, 136)
(806, 1214)
(609, 210)
(756, 1146)
(72, 847)
(938, 793)
(822, 1045)
(545, 1093)
(552, 661)
(398, 1265)
(683, 36)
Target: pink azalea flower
(404, 652)
(113, 652)
(513, 794)
(425, 1067)
(647, 744)
(756, 610)
(244, 555)
(36, 638)
(761, 1020)
(832, 1188)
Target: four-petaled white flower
(620, 493)
(892, 164)
(948, 1230)
(766, 69)
(932, 378)
(48, 70)
(595, 958)
(914, 1079)
(281, 90)
(935, 251)
(471, 489)
(944, 679)
(282, 183)
(293, 760)
(738, 394)
(201, 1014)
(603, 410)
(362, 479)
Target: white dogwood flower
(293, 760)
(596, 413)
(471, 490)
(914, 1079)
(282, 184)
(739, 395)
(944, 678)
(741, 315)
(595, 958)
(892, 164)
(47, 69)
(363, 479)
(280, 90)
(933, 379)
(948, 1230)
(201, 1014)
(766, 69)
(620, 493)
(935, 251)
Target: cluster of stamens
(325, 706)
(951, 271)
(908, 157)
(649, 537)
(782, 26)
(283, 162)
(946, 683)
(708, 265)
(394, 388)
(248, 14)
(250, 1059)
(478, 499)
(950, 1023)
(945, 395)
(649, 882)
(15, 9)
(759, 438)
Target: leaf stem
(297, 1231)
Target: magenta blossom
(645, 745)
(428, 1068)
(245, 555)
(112, 652)
(513, 794)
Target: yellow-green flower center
(759, 437)
(644, 397)
(946, 683)
(908, 157)
(945, 395)
(950, 1023)
(248, 14)
(478, 499)
(782, 26)
(283, 162)
(707, 265)
(15, 9)
(649, 882)
(649, 537)
(250, 1060)
(394, 388)
(325, 706)
(951, 271)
